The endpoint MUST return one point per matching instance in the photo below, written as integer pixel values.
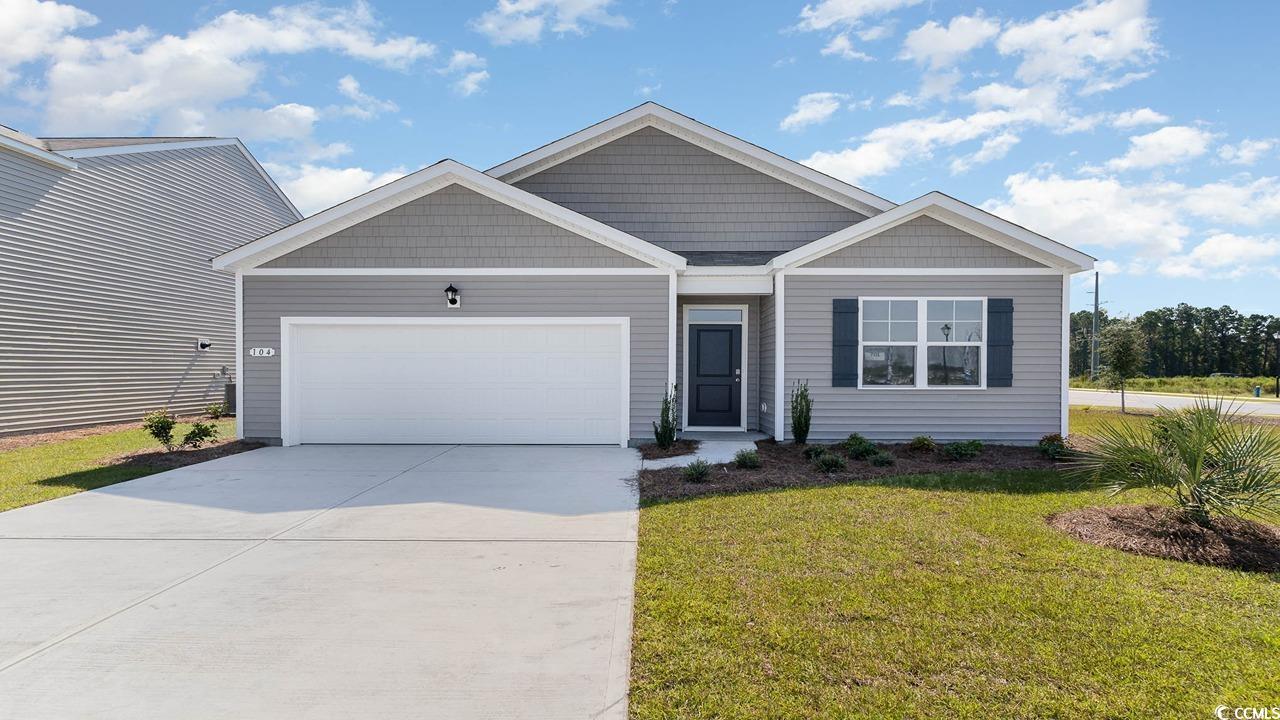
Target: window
(949, 346)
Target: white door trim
(288, 419)
(684, 391)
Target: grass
(43, 472)
(1189, 385)
(933, 596)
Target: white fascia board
(51, 158)
(725, 284)
(654, 115)
(423, 183)
(714, 270)
(946, 209)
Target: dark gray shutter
(999, 342)
(844, 342)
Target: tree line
(1186, 340)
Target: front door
(715, 375)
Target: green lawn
(43, 472)
(933, 596)
(1194, 385)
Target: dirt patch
(1164, 532)
(13, 442)
(785, 466)
(651, 451)
(159, 460)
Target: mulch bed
(651, 451)
(1164, 532)
(13, 442)
(158, 460)
(784, 466)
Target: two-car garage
(454, 380)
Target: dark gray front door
(715, 375)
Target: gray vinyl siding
(681, 197)
(105, 282)
(268, 298)
(751, 378)
(1019, 414)
(768, 348)
(924, 243)
(459, 228)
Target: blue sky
(1142, 133)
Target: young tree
(1123, 352)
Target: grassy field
(1195, 385)
(43, 472)
(933, 596)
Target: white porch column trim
(779, 360)
(238, 367)
(671, 331)
(1066, 354)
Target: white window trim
(922, 345)
(684, 386)
(288, 422)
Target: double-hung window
(921, 342)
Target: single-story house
(556, 297)
(108, 306)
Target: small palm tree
(1202, 457)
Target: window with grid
(896, 351)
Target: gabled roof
(947, 209)
(23, 144)
(62, 144)
(651, 114)
(422, 183)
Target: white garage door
(446, 381)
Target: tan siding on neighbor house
(454, 227)
(924, 242)
(105, 282)
(684, 198)
(644, 299)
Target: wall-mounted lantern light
(452, 298)
(203, 344)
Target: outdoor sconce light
(203, 344)
(452, 298)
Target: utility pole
(1093, 339)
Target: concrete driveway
(328, 582)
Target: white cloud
(30, 28)
(939, 47)
(288, 121)
(1223, 255)
(1140, 116)
(363, 106)
(1093, 38)
(875, 32)
(648, 90)
(470, 83)
(463, 60)
(524, 21)
(899, 99)
(812, 109)
(316, 187)
(1166, 146)
(993, 148)
(848, 13)
(1247, 151)
(1107, 84)
(842, 47)
(468, 68)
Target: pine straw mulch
(1165, 532)
(13, 442)
(651, 451)
(784, 466)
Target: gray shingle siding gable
(454, 227)
(105, 282)
(682, 197)
(924, 242)
(642, 298)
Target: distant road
(1152, 400)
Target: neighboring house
(105, 284)
(556, 297)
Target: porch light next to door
(452, 298)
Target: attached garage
(455, 380)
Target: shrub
(1202, 457)
(747, 459)
(159, 425)
(216, 410)
(858, 447)
(199, 434)
(881, 458)
(962, 450)
(811, 452)
(922, 444)
(664, 430)
(1053, 446)
(801, 412)
(829, 463)
(696, 471)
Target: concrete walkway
(328, 582)
(1150, 401)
